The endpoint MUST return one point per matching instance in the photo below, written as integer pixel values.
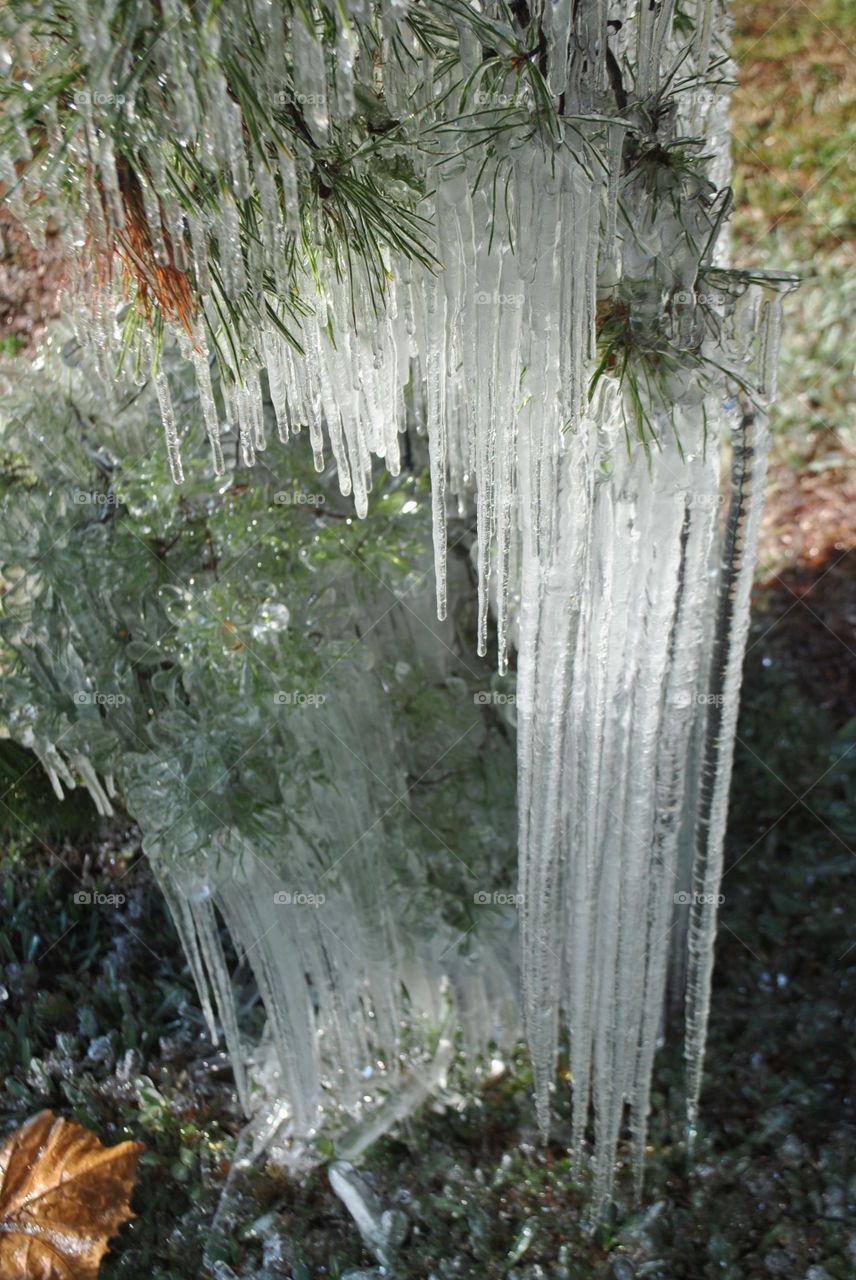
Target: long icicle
(737, 562)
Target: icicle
(182, 918)
(344, 74)
(646, 19)
(308, 405)
(310, 77)
(318, 373)
(277, 378)
(110, 180)
(436, 374)
(209, 408)
(50, 760)
(237, 152)
(506, 378)
(616, 149)
(272, 229)
(685, 653)
(198, 240)
(748, 470)
(662, 35)
(770, 327)
(151, 207)
(288, 175)
(703, 34)
(210, 947)
(170, 432)
(83, 766)
(229, 240)
(236, 414)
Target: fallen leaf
(62, 1195)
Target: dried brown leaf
(62, 1195)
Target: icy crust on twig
(327, 825)
(480, 208)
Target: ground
(101, 1020)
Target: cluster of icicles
(610, 572)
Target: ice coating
(567, 264)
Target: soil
(31, 281)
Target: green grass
(794, 125)
(11, 345)
(794, 128)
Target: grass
(794, 128)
